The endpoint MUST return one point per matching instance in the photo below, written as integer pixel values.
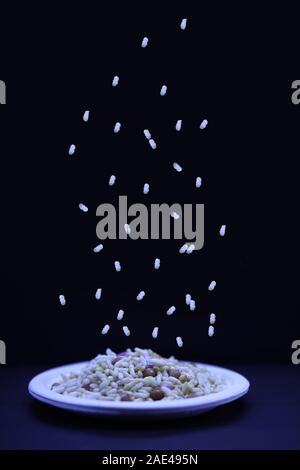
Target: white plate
(40, 388)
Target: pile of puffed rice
(139, 375)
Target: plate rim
(39, 391)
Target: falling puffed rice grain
(117, 127)
(163, 90)
(203, 124)
(145, 42)
(115, 80)
(83, 208)
(152, 144)
(175, 215)
(126, 331)
(190, 249)
(171, 310)
(112, 180)
(222, 230)
(146, 188)
(86, 116)
(157, 263)
(188, 299)
(147, 134)
(212, 318)
(155, 332)
(179, 341)
(62, 300)
(127, 229)
(98, 294)
(178, 125)
(198, 182)
(141, 295)
(211, 331)
(183, 24)
(177, 167)
(212, 285)
(192, 305)
(98, 248)
(120, 315)
(72, 149)
(105, 329)
(117, 266)
(183, 248)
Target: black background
(234, 66)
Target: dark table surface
(267, 418)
